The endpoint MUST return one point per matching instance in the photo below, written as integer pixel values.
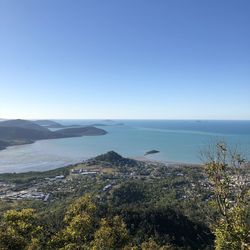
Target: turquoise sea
(177, 141)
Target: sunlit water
(177, 141)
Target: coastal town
(104, 174)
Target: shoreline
(139, 158)
(175, 149)
(167, 163)
(17, 136)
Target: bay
(177, 141)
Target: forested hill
(19, 123)
(16, 132)
(115, 159)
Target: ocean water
(177, 141)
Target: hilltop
(16, 132)
(19, 123)
(114, 158)
(25, 134)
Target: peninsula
(18, 132)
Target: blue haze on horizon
(136, 59)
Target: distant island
(152, 152)
(81, 131)
(53, 124)
(18, 132)
(108, 120)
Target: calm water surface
(179, 141)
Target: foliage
(166, 226)
(230, 191)
(232, 233)
(79, 221)
(130, 192)
(112, 234)
(20, 230)
(152, 245)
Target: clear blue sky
(163, 59)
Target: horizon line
(162, 119)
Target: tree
(152, 245)
(20, 230)
(79, 220)
(112, 234)
(225, 170)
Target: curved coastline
(175, 148)
(47, 166)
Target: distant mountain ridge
(48, 123)
(17, 132)
(19, 123)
